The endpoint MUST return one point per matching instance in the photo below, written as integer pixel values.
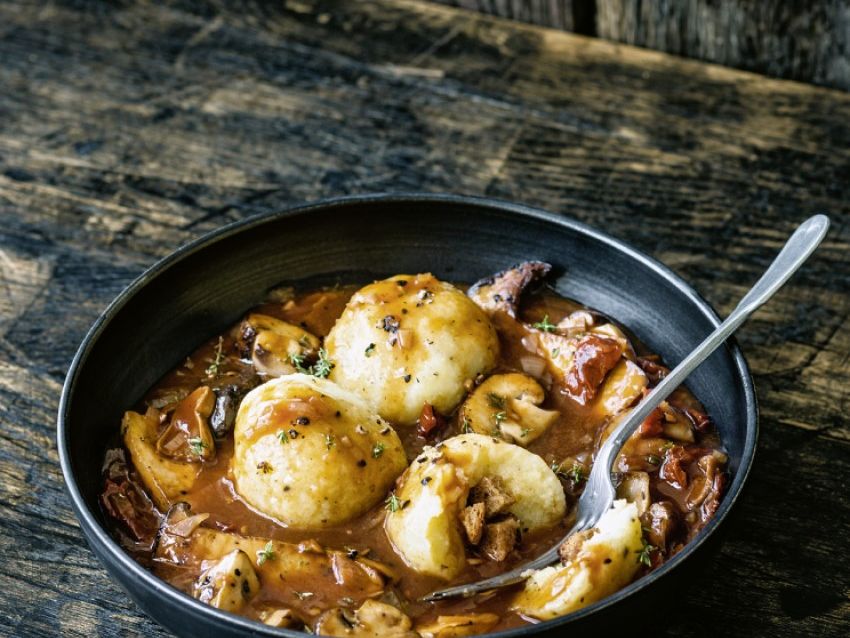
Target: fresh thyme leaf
(498, 417)
(267, 553)
(377, 450)
(197, 446)
(466, 426)
(212, 369)
(282, 436)
(370, 349)
(392, 504)
(329, 441)
(525, 432)
(576, 473)
(297, 361)
(653, 459)
(545, 325)
(322, 368)
(555, 352)
(644, 554)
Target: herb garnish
(644, 552)
(303, 595)
(466, 426)
(212, 369)
(323, 366)
(329, 441)
(377, 450)
(320, 369)
(576, 473)
(297, 361)
(498, 417)
(370, 349)
(545, 325)
(555, 352)
(393, 504)
(197, 446)
(282, 436)
(267, 553)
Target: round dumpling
(425, 527)
(310, 454)
(410, 340)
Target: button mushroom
(167, 480)
(229, 584)
(458, 626)
(276, 347)
(501, 292)
(188, 436)
(506, 406)
(374, 618)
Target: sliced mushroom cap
(374, 618)
(458, 626)
(229, 584)
(274, 345)
(280, 617)
(167, 480)
(188, 436)
(506, 406)
(501, 292)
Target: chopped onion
(533, 366)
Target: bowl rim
(95, 533)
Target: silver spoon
(599, 493)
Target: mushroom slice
(299, 576)
(501, 292)
(166, 480)
(458, 626)
(374, 618)
(280, 617)
(602, 563)
(275, 346)
(506, 406)
(229, 584)
(188, 436)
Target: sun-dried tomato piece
(594, 358)
(429, 420)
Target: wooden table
(127, 131)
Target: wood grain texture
(806, 41)
(129, 129)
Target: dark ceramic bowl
(205, 286)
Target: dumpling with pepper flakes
(410, 340)
(310, 454)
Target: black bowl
(205, 286)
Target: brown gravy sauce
(574, 435)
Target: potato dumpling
(310, 454)
(597, 563)
(410, 340)
(425, 528)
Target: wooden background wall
(806, 40)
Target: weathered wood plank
(126, 131)
(805, 41)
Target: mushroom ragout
(341, 453)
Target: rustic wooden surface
(126, 130)
(801, 40)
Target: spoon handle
(797, 250)
(599, 490)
